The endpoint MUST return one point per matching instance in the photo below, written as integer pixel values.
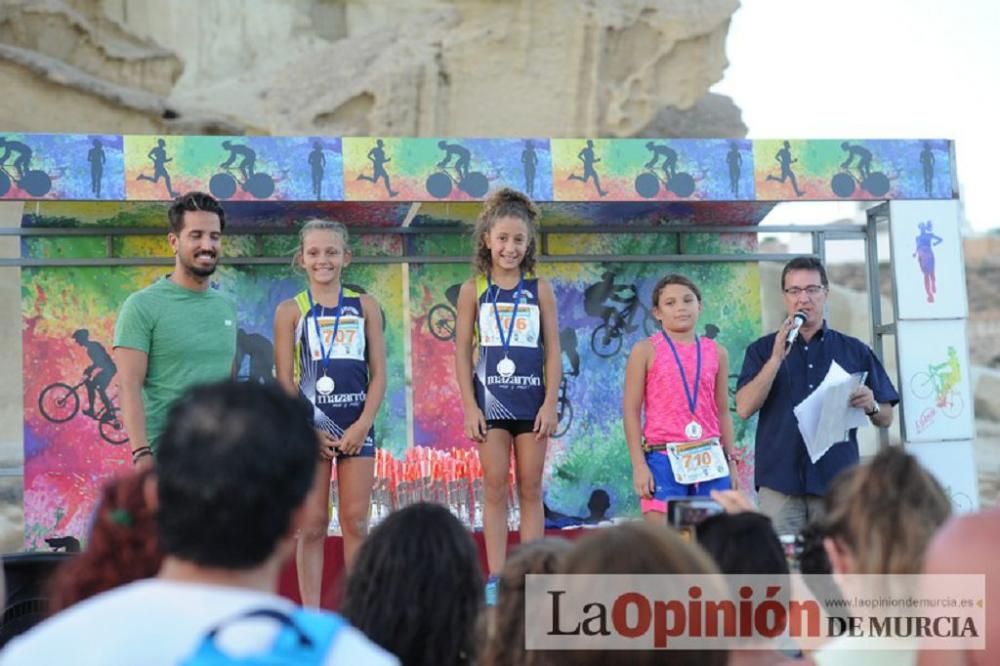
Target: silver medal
(693, 430)
(506, 368)
(325, 385)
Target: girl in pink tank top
(679, 380)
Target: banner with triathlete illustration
(790, 169)
(604, 309)
(936, 387)
(444, 169)
(73, 436)
(331, 168)
(234, 168)
(61, 166)
(73, 433)
(652, 169)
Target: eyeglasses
(811, 290)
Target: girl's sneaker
(492, 588)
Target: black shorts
(514, 426)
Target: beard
(199, 271)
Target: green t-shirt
(189, 337)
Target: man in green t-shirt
(177, 332)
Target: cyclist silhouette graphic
(248, 155)
(101, 364)
(864, 159)
(924, 252)
(317, 165)
(378, 159)
(735, 162)
(440, 183)
(568, 344)
(669, 156)
(530, 162)
(23, 161)
(597, 296)
(784, 158)
(647, 183)
(927, 164)
(158, 155)
(97, 159)
(844, 183)
(601, 299)
(586, 155)
(462, 155)
(33, 181)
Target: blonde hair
(319, 225)
(885, 513)
(505, 202)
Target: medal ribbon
(692, 396)
(324, 352)
(505, 343)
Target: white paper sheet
(825, 415)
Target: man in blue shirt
(777, 376)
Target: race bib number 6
(526, 327)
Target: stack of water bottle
(452, 478)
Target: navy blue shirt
(782, 462)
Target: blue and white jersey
(519, 395)
(337, 410)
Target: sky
(875, 69)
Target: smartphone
(684, 513)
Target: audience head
(742, 543)
(506, 644)
(122, 546)
(416, 587)
(637, 548)
(880, 516)
(233, 467)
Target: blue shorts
(667, 486)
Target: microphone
(800, 318)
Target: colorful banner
(322, 168)
(794, 170)
(234, 168)
(383, 169)
(658, 169)
(597, 329)
(72, 444)
(61, 166)
(68, 453)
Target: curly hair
(416, 588)
(506, 644)
(505, 202)
(123, 545)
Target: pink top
(665, 403)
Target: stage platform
(333, 565)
